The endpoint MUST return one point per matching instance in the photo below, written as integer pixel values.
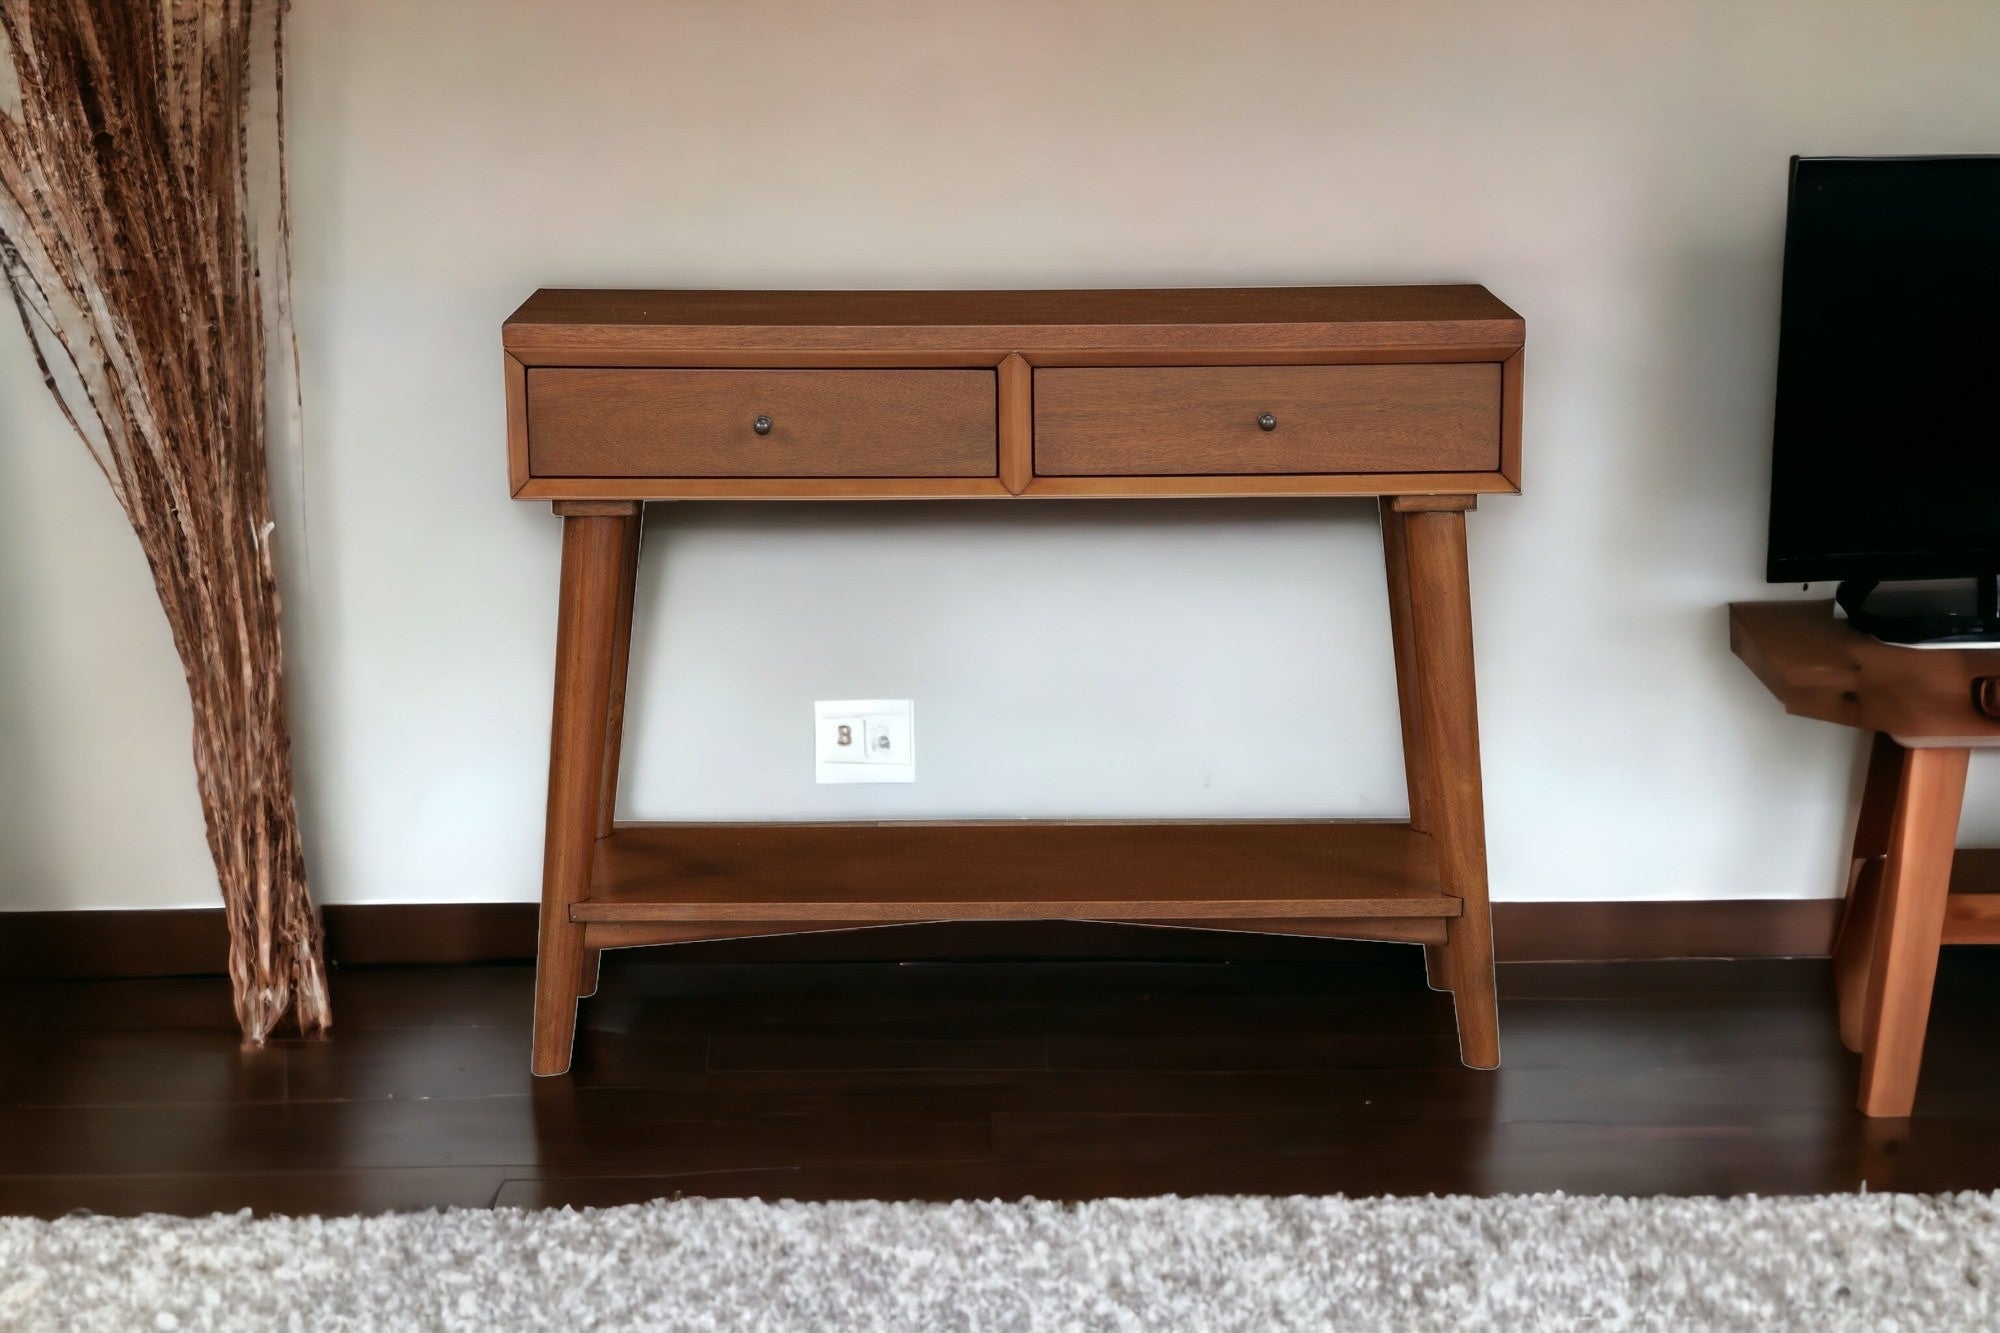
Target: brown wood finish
(626, 397)
(1433, 503)
(1908, 889)
(1441, 618)
(1273, 486)
(1396, 565)
(989, 356)
(700, 423)
(1185, 421)
(1017, 424)
(1743, 928)
(1016, 870)
(631, 489)
(632, 539)
(1511, 376)
(643, 934)
(1855, 942)
(1425, 930)
(665, 323)
(1820, 667)
(1402, 637)
(1972, 916)
(1328, 335)
(978, 1080)
(515, 381)
(1916, 881)
(1972, 920)
(576, 508)
(1247, 355)
(594, 550)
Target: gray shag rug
(1878, 1261)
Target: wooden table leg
(1396, 562)
(1855, 942)
(614, 727)
(1440, 607)
(597, 540)
(1909, 927)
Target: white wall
(1615, 172)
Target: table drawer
(1222, 420)
(761, 423)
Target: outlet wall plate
(864, 740)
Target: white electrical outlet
(864, 740)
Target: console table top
(1445, 317)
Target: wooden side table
(1928, 711)
(1409, 394)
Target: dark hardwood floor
(979, 1079)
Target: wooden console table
(1928, 710)
(1410, 394)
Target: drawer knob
(762, 425)
(1267, 422)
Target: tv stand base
(1924, 615)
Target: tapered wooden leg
(621, 658)
(1441, 636)
(1395, 560)
(1855, 942)
(614, 723)
(595, 538)
(1909, 927)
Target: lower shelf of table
(653, 883)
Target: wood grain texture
(515, 382)
(1400, 930)
(1236, 354)
(662, 323)
(594, 549)
(1512, 375)
(1425, 930)
(1854, 945)
(1402, 639)
(1441, 619)
(596, 508)
(1017, 424)
(1013, 871)
(632, 538)
(699, 423)
(1189, 421)
(573, 489)
(1433, 503)
(1916, 881)
(858, 1080)
(1404, 485)
(1823, 668)
(1416, 754)
(635, 396)
(1458, 487)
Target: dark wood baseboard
(1620, 931)
(193, 942)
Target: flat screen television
(1886, 451)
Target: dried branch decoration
(129, 237)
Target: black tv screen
(1886, 456)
